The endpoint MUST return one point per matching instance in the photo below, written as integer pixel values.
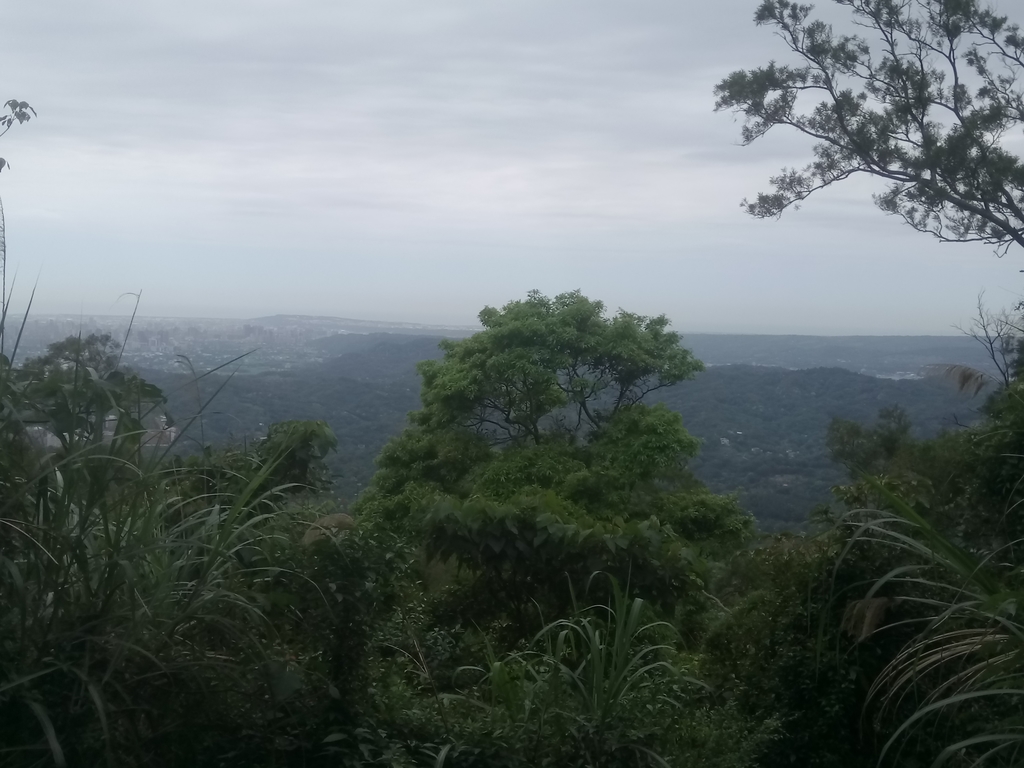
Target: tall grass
(962, 674)
(129, 589)
(594, 690)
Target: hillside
(763, 428)
(888, 356)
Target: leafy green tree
(535, 456)
(925, 106)
(991, 457)
(869, 449)
(548, 396)
(298, 449)
(523, 553)
(96, 351)
(792, 651)
(550, 368)
(965, 481)
(77, 392)
(884, 458)
(289, 461)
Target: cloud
(436, 155)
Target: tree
(78, 392)
(97, 351)
(535, 456)
(999, 333)
(870, 449)
(548, 396)
(966, 481)
(927, 108)
(544, 367)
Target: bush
(133, 593)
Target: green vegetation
(535, 575)
(535, 462)
(134, 590)
(774, 420)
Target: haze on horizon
(412, 162)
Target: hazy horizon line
(427, 326)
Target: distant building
(163, 435)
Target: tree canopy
(535, 454)
(548, 396)
(96, 351)
(925, 99)
(546, 367)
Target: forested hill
(885, 356)
(889, 356)
(763, 427)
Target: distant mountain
(896, 357)
(364, 415)
(762, 427)
(392, 358)
(278, 342)
(890, 356)
(351, 325)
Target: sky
(413, 161)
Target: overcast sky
(416, 160)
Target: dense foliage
(773, 420)
(534, 576)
